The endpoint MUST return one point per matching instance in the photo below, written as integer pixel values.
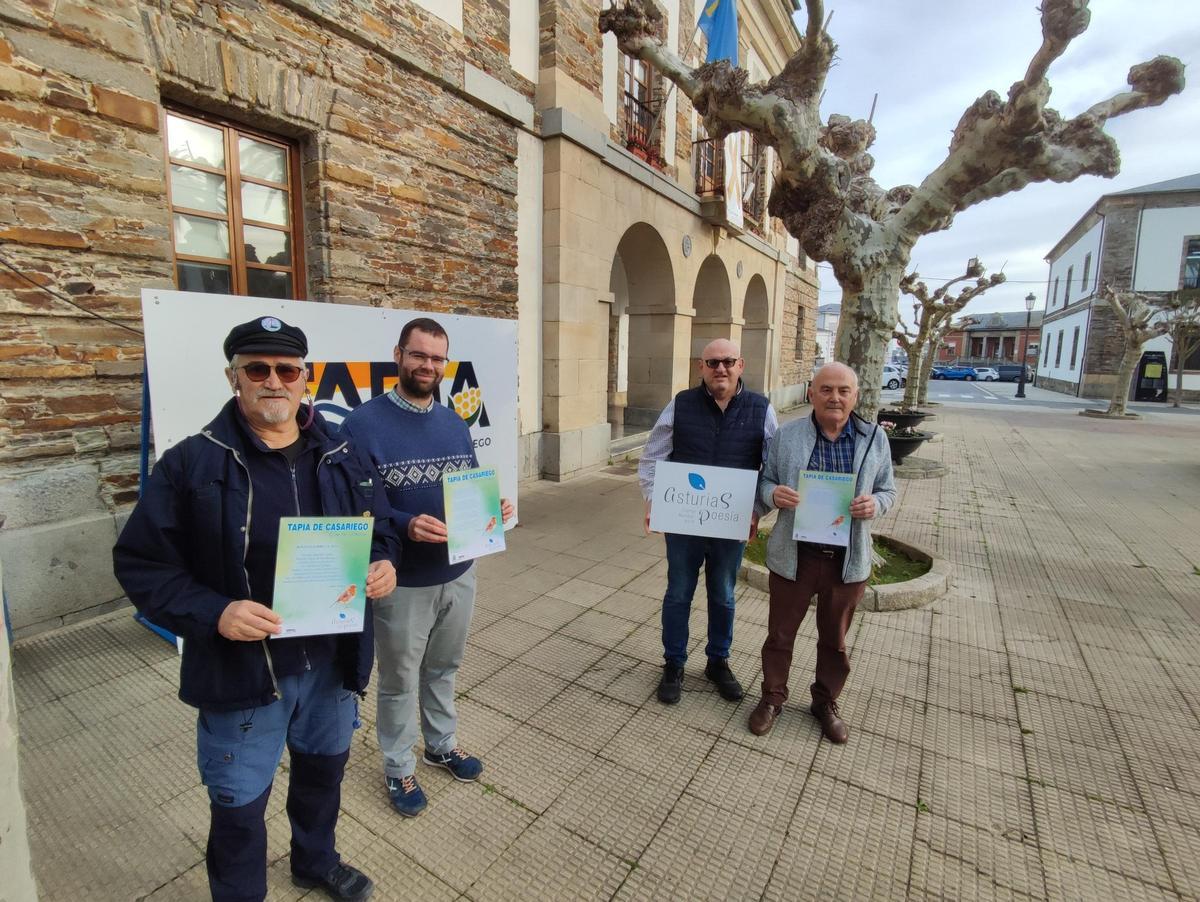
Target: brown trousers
(817, 573)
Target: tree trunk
(916, 362)
(1177, 342)
(1120, 395)
(865, 329)
(927, 371)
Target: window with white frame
(1191, 262)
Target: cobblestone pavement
(1034, 734)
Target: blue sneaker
(407, 797)
(463, 767)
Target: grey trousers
(420, 634)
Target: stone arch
(641, 329)
(756, 335)
(712, 299)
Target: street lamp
(1030, 300)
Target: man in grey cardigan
(831, 440)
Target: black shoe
(718, 672)
(342, 882)
(671, 683)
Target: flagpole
(663, 107)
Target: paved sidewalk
(1032, 735)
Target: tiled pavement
(1033, 735)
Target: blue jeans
(238, 753)
(721, 559)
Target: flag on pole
(718, 21)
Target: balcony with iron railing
(709, 156)
(640, 123)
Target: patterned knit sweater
(412, 452)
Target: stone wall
(799, 332)
(1059, 385)
(409, 195)
(571, 41)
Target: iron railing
(709, 154)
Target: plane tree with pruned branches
(824, 192)
(933, 313)
(1135, 313)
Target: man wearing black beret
(198, 558)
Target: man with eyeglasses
(421, 628)
(720, 423)
(197, 557)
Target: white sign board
(350, 357)
(694, 500)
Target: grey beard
(273, 415)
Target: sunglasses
(713, 362)
(261, 372)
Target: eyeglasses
(713, 362)
(261, 372)
(421, 357)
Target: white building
(1144, 239)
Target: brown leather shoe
(763, 717)
(832, 726)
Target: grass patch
(896, 567)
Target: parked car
(1011, 372)
(986, 374)
(935, 371)
(966, 373)
(892, 377)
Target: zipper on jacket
(271, 670)
(296, 498)
(246, 547)
(295, 491)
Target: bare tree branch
(825, 193)
(999, 147)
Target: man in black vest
(719, 423)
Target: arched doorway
(756, 335)
(712, 300)
(641, 325)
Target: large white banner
(350, 355)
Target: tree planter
(904, 445)
(899, 596)
(902, 418)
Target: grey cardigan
(789, 454)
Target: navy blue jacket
(704, 434)
(180, 558)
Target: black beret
(266, 335)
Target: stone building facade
(464, 156)
(1145, 239)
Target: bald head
(721, 347)
(835, 371)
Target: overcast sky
(929, 59)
